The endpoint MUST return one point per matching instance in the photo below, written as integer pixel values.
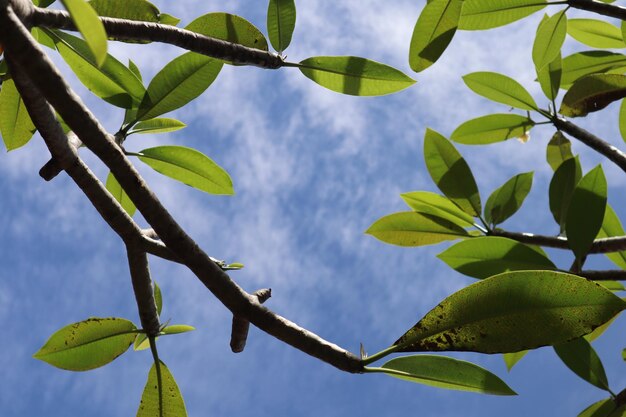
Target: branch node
(239, 333)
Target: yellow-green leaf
(501, 89)
(440, 206)
(281, 22)
(595, 33)
(491, 129)
(167, 395)
(559, 150)
(86, 20)
(16, 126)
(582, 359)
(120, 195)
(354, 76)
(507, 199)
(487, 14)
(592, 93)
(549, 39)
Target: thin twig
(604, 245)
(608, 275)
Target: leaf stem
(380, 355)
(157, 363)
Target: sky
(312, 170)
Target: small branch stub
(239, 333)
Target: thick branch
(604, 148)
(123, 29)
(52, 85)
(598, 7)
(604, 245)
(144, 291)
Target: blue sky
(312, 170)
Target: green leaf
(433, 32)
(581, 358)
(172, 399)
(562, 186)
(415, 229)
(120, 195)
(549, 39)
(482, 257)
(43, 3)
(445, 372)
(580, 64)
(141, 10)
(281, 21)
(507, 199)
(190, 167)
(559, 150)
(602, 408)
(511, 359)
(513, 311)
(624, 354)
(451, 173)
(595, 33)
(614, 286)
(141, 342)
(549, 78)
(491, 129)
(586, 211)
(488, 14)
(135, 70)
(16, 126)
(592, 93)
(112, 81)
(180, 81)
(611, 227)
(598, 331)
(42, 37)
(158, 298)
(622, 120)
(501, 89)
(354, 76)
(88, 344)
(86, 20)
(159, 125)
(168, 19)
(177, 328)
(229, 27)
(437, 205)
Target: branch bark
(604, 245)
(605, 9)
(41, 71)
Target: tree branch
(37, 66)
(608, 275)
(598, 7)
(604, 245)
(604, 148)
(143, 289)
(123, 29)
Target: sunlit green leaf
(42, 37)
(562, 186)
(598, 331)
(180, 81)
(112, 81)
(168, 19)
(611, 227)
(507, 199)
(158, 298)
(440, 206)
(487, 14)
(511, 359)
(482, 257)
(622, 120)
(178, 328)
(158, 125)
(190, 167)
(354, 76)
(172, 399)
(229, 27)
(580, 64)
(135, 69)
(501, 89)
(586, 211)
(491, 129)
(281, 21)
(120, 195)
(451, 173)
(592, 93)
(90, 26)
(559, 150)
(433, 32)
(141, 10)
(88, 344)
(141, 342)
(43, 3)
(602, 408)
(16, 126)
(595, 33)
(581, 358)
(549, 39)
(549, 77)
(415, 229)
(445, 372)
(513, 311)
